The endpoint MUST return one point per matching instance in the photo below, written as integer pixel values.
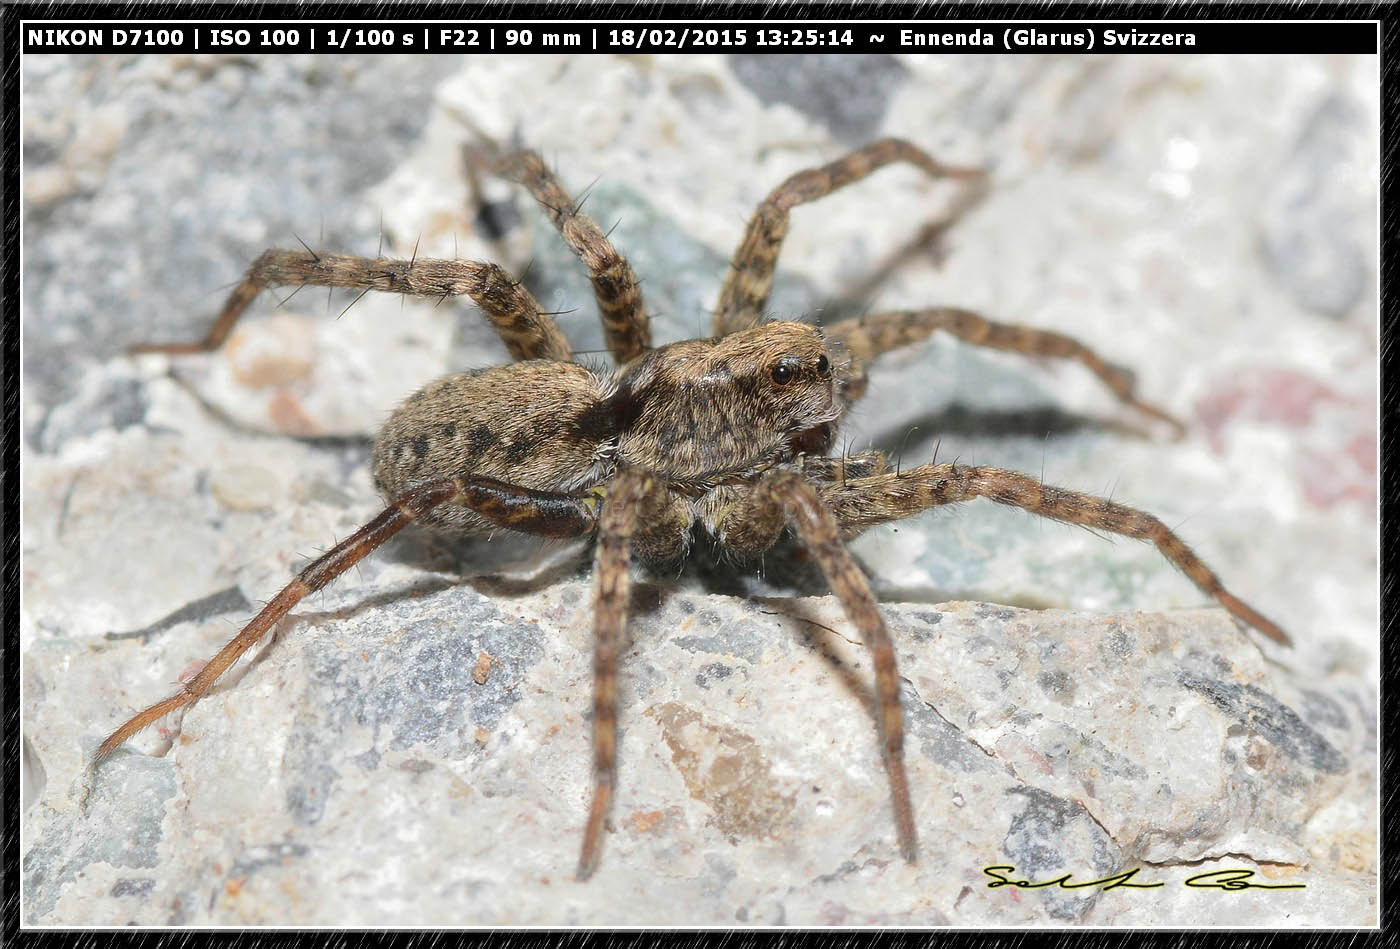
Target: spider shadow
(785, 569)
(297, 618)
(821, 638)
(958, 420)
(413, 591)
(510, 565)
(504, 564)
(513, 565)
(787, 572)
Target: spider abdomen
(533, 424)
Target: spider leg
(750, 278)
(864, 502)
(784, 497)
(615, 286)
(633, 500)
(864, 338)
(926, 244)
(522, 509)
(862, 464)
(511, 310)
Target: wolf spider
(731, 432)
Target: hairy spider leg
(615, 286)
(866, 337)
(544, 513)
(924, 245)
(838, 468)
(638, 512)
(526, 331)
(750, 277)
(785, 497)
(863, 502)
(617, 523)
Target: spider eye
(823, 366)
(782, 374)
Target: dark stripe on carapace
(609, 417)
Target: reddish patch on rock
(1334, 433)
(272, 352)
(1330, 477)
(1283, 396)
(482, 669)
(645, 821)
(289, 417)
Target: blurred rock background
(1209, 222)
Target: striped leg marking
(750, 279)
(509, 307)
(867, 337)
(864, 502)
(785, 497)
(615, 286)
(618, 522)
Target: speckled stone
(1047, 741)
(1072, 705)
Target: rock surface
(413, 749)
(359, 773)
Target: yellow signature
(1239, 879)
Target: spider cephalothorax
(731, 433)
(758, 396)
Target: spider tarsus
(1178, 427)
(139, 722)
(903, 809)
(1246, 614)
(593, 832)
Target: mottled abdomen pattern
(534, 424)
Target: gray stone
(1066, 699)
(361, 732)
(1307, 235)
(210, 159)
(848, 94)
